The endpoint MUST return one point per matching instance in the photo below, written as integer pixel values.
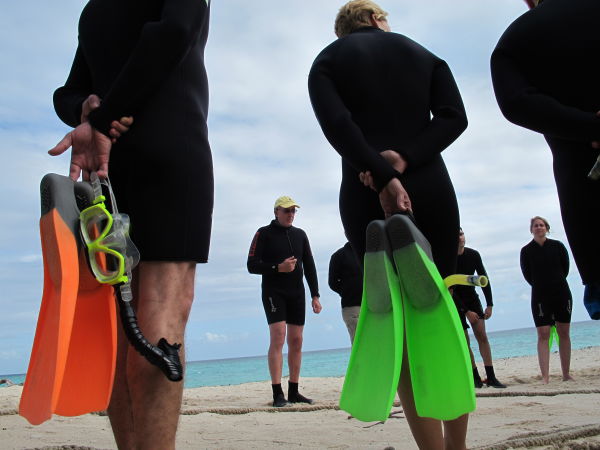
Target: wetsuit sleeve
(564, 259)
(523, 104)
(449, 120)
(310, 270)
(255, 263)
(334, 268)
(162, 45)
(487, 291)
(341, 131)
(525, 266)
(69, 98)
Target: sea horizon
(333, 362)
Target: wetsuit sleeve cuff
(100, 120)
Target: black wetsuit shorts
(473, 304)
(283, 305)
(551, 309)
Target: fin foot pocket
(411, 251)
(375, 286)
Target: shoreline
(528, 414)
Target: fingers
(64, 144)
(366, 178)
(119, 127)
(103, 170)
(90, 103)
(74, 172)
(126, 121)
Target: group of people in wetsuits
(137, 97)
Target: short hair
(356, 14)
(533, 219)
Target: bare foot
(568, 378)
(545, 380)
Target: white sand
(527, 414)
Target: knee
(482, 339)
(543, 335)
(295, 342)
(277, 340)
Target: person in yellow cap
(281, 253)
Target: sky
(266, 142)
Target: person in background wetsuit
(345, 278)
(144, 61)
(281, 253)
(545, 75)
(389, 107)
(545, 266)
(469, 262)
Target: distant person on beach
(281, 253)
(545, 266)
(345, 278)
(7, 382)
(145, 60)
(389, 107)
(545, 75)
(469, 262)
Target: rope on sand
(555, 438)
(269, 409)
(503, 393)
(64, 447)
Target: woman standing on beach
(545, 266)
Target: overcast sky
(266, 143)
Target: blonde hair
(533, 219)
(356, 14)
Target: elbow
(462, 122)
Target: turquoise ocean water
(332, 363)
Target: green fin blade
(376, 358)
(437, 350)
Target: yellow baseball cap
(285, 202)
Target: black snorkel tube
(165, 356)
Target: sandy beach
(528, 414)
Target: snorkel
(112, 257)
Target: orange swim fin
(72, 362)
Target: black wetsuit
(373, 91)
(146, 59)
(545, 268)
(465, 297)
(283, 292)
(345, 276)
(545, 73)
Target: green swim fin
(376, 358)
(553, 337)
(438, 356)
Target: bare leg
(119, 409)
(426, 431)
(277, 339)
(165, 295)
(544, 351)
(294, 342)
(564, 348)
(470, 351)
(482, 340)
